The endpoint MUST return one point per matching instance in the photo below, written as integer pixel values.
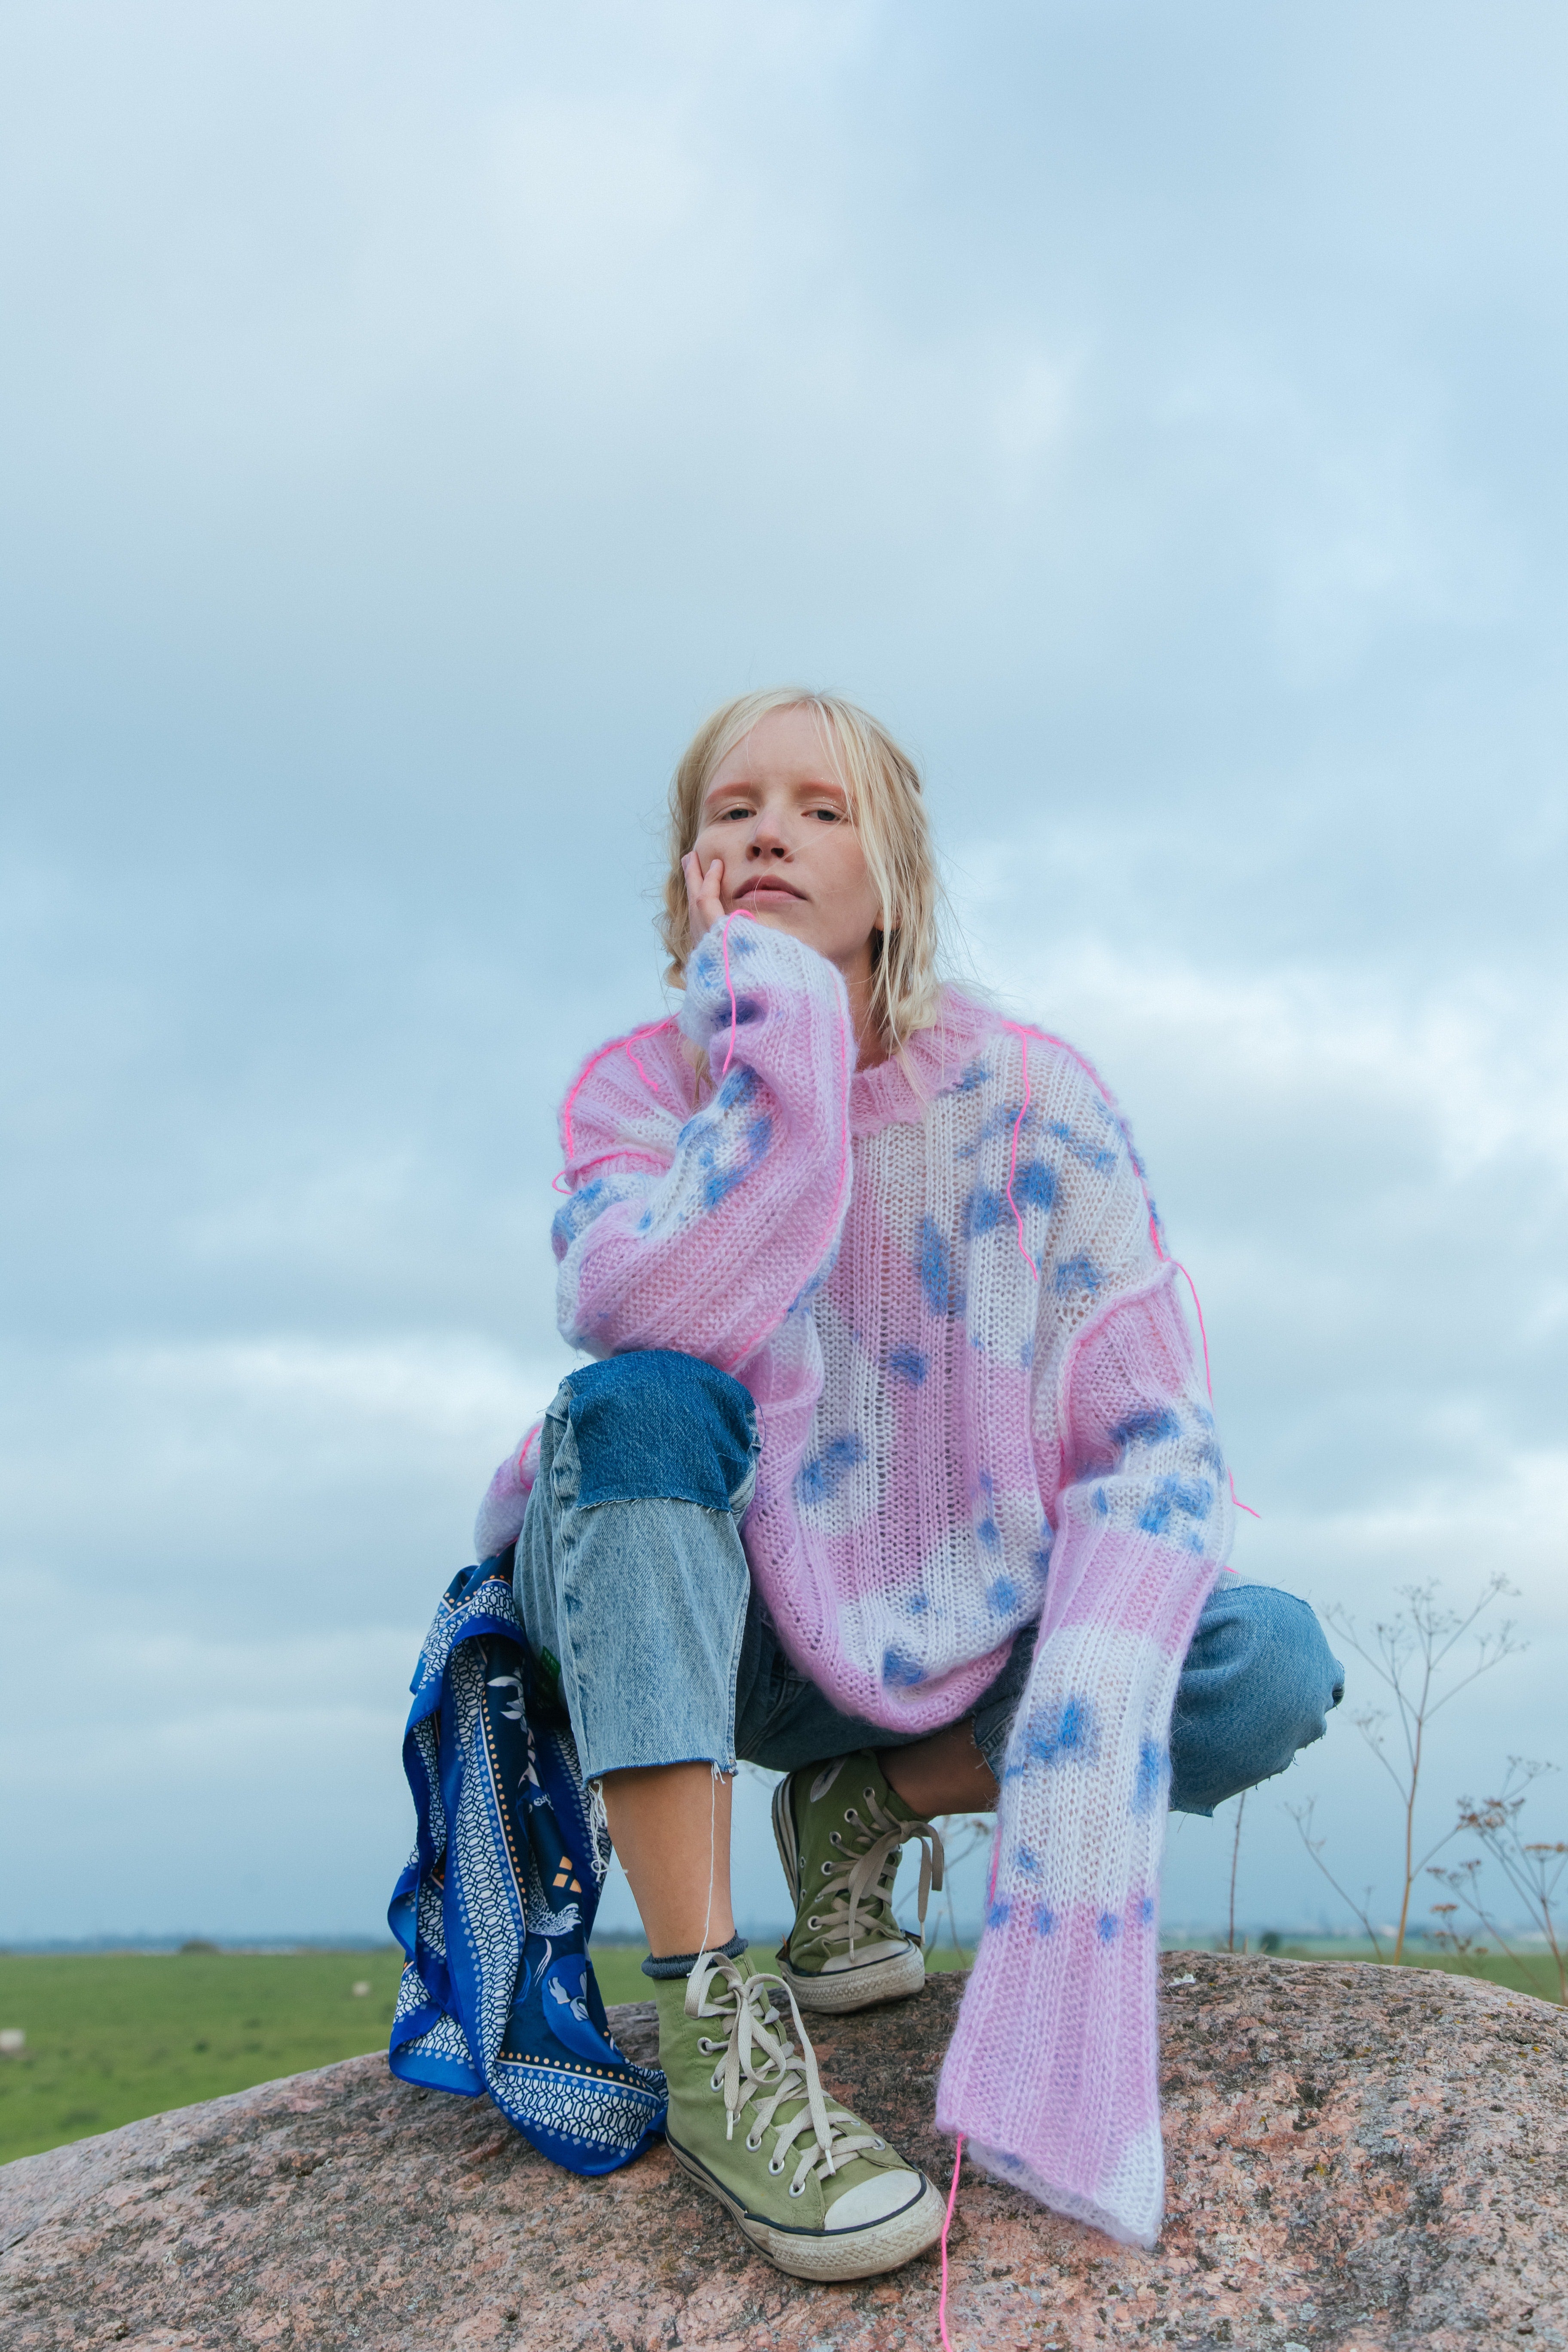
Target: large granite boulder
(1357, 2158)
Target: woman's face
(779, 818)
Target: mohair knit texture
(943, 1283)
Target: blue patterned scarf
(495, 1908)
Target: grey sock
(680, 1964)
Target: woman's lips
(771, 890)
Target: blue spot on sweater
(944, 1292)
(720, 1183)
(900, 1672)
(826, 1473)
(1149, 1787)
(982, 1212)
(1078, 1273)
(1035, 1186)
(1147, 1427)
(575, 1215)
(1109, 1927)
(1172, 1497)
(1066, 1732)
(1002, 1596)
(907, 1364)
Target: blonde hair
(888, 811)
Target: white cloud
(421, 426)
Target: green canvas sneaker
(812, 2187)
(840, 1830)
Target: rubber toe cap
(873, 2200)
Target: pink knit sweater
(943, 1284)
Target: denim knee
(1258, 1685)
(657, 1425)
(630, 1574)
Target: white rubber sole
(849, 1989)
(866, 2253)
(845, 1989)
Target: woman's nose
(767, 837)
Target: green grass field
(115, 2036)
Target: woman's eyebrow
(750, 788)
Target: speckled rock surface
(1357, 2158)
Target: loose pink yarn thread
(946, 2226)
(651, 1084)
(617, 1046)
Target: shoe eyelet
(835, 1839)
(878, 2143)
(796, 2190)
(827, 1870)
(753, 2145)
(775, 2168)
(813, 1925)
(851, 1815)
(716, 2081)
(706, 2046)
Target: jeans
(632, 1584)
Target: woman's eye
(829, 815)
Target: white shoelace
(764, 2065)
(836, 1912)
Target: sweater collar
(900, 1091)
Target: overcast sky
(413, 420)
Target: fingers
(704, 893)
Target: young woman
(894, 1473)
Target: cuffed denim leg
(1257, 1685)
(630, 1575)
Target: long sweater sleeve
(701, 1232)
(1053, 2069)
